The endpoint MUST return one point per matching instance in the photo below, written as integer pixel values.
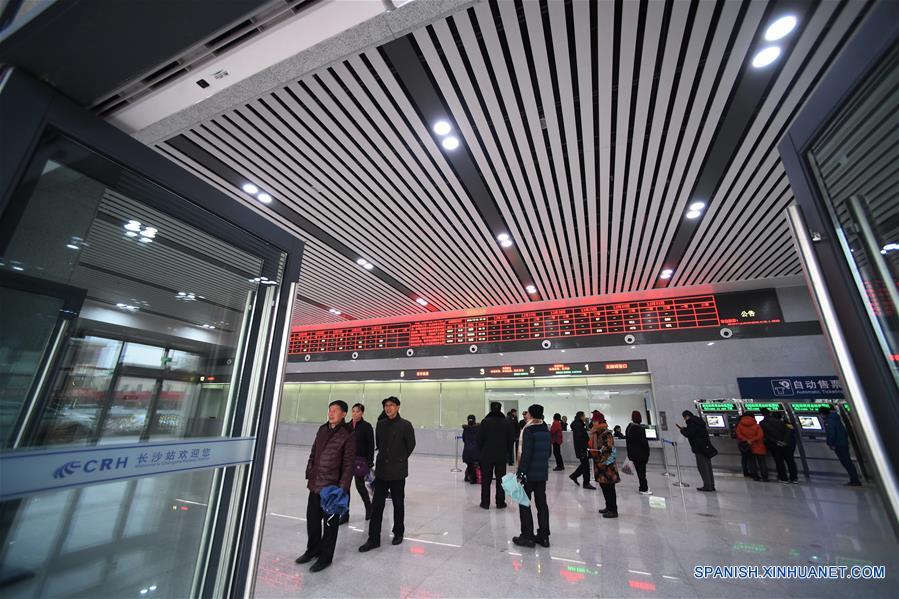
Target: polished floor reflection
(455, 549)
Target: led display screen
(677, 313)
(715, 421)
(756, 406)
(717, 406)
(810, 423)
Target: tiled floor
(453, 548)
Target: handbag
(709, 451)
(628, 467)
(360, 466)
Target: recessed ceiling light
(149, 232)
(765, 56)
(18, 268)
(421, 301)
(265, 198)
(334, 311)
(710, 343)
(666, 274)
(72, 246)
(502, 237)
(531, 289)
(780, 28)
(442, 128)
(697, 205)
(507, 243)
(145, 240)
(361, 261)
(130, 234)
(368, 266)
(450, 143)
(250, 188)
(132, 225)
(693, 214)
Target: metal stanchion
(679, 483)
(665, 460)
(456, 468)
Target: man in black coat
(494, 439)
(701, 446)
(365, 456)
(513, 426)
(330, 463)
(580, 437)
(638, 449)
(395, 439)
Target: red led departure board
(577, 321)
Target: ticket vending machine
(810, 422)
(812, 428)
(720, 415)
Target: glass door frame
(841, 309)
(29, 108)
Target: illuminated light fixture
(149, 232)
(506, 244)
(145, 240)
(250, 188)
(502, 237)
(710, 343)
(133, 225)
(890, 247)
(697, 205)
(131, 234)
(334, 311)
(368, 266)
(421, 301)
(765, 56)
(692, 214)
(450, 143)
(780, 28)
(127, 307)
(531, 289)
(72, 246)
(365, 264)
(666, 274)
(442, 128)
(361, 261)
(208, 326)
(265, 198)
(18, 268)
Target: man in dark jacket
(776, 433)
(638, 449)
(533, 471)
(330, 463)
(580, 438)
(494, 439)
(838, 441)
(395, 439)
(698, 435)
(365, 456)
(513, 425)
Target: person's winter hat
(536, 411)
(636, 417)
(391, 399)
(598, 416)
(471, 419)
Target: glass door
(140, 339)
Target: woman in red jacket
(751, 442)
(555, 437)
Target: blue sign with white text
(791, 387)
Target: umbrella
(515, 490)
(335, 501)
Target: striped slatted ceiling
(589, 124)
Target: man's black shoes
(306, 558)
(368, 546)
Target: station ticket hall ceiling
(501, 152)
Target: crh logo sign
(70, 468)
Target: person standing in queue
(838, 442)
(494, 438)
(698, 435)
(395, 440)
(513, 426)
(776, 434)
(555, 435)
(605, 470)
(580, 437)
(470, 453)
(564, 423)
(638, 449)
(533, 471)
(751, 443)
(365, 457)
(330, 464)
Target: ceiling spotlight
(710, 343)
(250, 188)
(697, 205)
(442, 128)
(780, 28)
(145, 240)
(18, 268)
(334, 311)
(361, 261)
(502, 237)
(265, 198)
(765, 56)
(149, 232)
(133, 225)
(450, 143)
(666, 274)
(507, 243)
(421, 301)
(130, 234)
(368, 266)
(72, 246)
(531, 289)
(693, 214)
